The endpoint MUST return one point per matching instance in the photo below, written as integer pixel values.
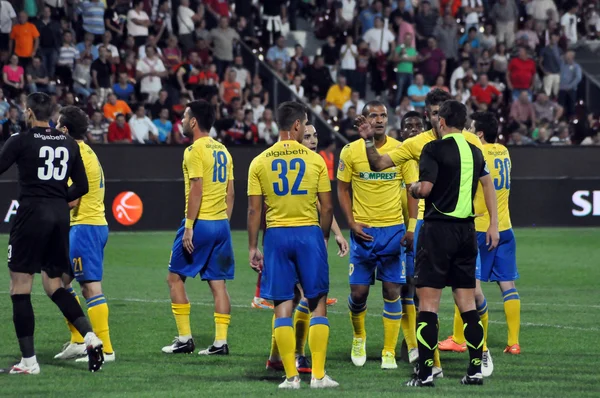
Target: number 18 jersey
(289, 176)
(208, 159)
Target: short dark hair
(454, 113)
(204, 113)
(75, 120)
(41, 106)
(436, 97)
(288, 113)
(410, 114)
(120, 115)
(486, 122)
(368, 105)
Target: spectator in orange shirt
(327, 155)
(230, 88)
(484, 94)
(25, 39)
(113, 107)
(119, 131)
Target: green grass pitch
(559, 336)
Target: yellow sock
(409, 322)
(458, 333)
(76, 337)
(483, 315)
(286, 341)
(98, 313)
(358, 313)
(436, 353)
(301, 325)
(274, 350)
(318, 338)
(221, 325)
(181, 312)
(392, 314)
(512, 310)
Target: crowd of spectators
(133, 65)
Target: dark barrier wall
(550, 187)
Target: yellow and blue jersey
(90, 210)
(208, 159)
(376, 196)
(499, 164)
(289, 176)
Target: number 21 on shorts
(77, 265)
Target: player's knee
(359, 293)
(504, 286)
(174, 280)
(407, 291)
(391, 291)
(91, 289)
(318, 306)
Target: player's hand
(342, 245)
(407, 240)
(188, 236)
(364, 128)
(492, 237)
(357, 228)
(256, 260)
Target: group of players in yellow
(289, 183)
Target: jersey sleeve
(324, 185)
(410, 172)
(78, 175)
(403, 153)
(10, 152)
(428, 166)
(254, 187)
(473, 139)
(193, 162)
(344, 172)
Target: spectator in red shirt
(219, 8)
(484, 94)
(520, 75)
(433, 62)
(119, 131)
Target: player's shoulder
(472, 139)
(495, 150)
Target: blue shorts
(384, 254)
(86, 251)
(213, 253)
(294, 255)
(500, 264)
(410, 255)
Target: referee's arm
(428, 172)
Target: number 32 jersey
(289, 176)
(46, 159)
(208, 159)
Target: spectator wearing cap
(570, 77)
(521, 74)
(138, 23)
(223, 38)
(433, 61)
(114, 107)
(425, 21)
(446, 33)
(119, 131)
(549, 64)
(406, 56)
(522, 112)
(417, 92)
(569, 23)
(338, 94)
(143, 131)
(484, 95)
(506, 14)
(546, 109)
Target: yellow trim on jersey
(289, 176)
(90, 210)
(498, 161)
(210, 160)
(376, 196)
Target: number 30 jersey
(289, 176)
(208, 159)
(497, 159)
(46, 159)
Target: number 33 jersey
(208, 159)
(289, 176)
(46, 159)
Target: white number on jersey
(49, 171)
(9, 252)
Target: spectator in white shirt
(267, 128)
(379, 38)
(472, 10)
(186, 19)
(7, 17)
(297, 87)
(151, 41)
(151, 70)
(257, 109)
(143, 131)
(569, 24)
(242, 75)
(348, 55)
(346, 13)
(354, 101)
(138, 23)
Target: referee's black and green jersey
(454, 166)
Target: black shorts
(39, 238)
(4, 41)
(446, 255)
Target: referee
(449, 171)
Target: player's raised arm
(9, 152)
(489, 194)
(80, 184)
